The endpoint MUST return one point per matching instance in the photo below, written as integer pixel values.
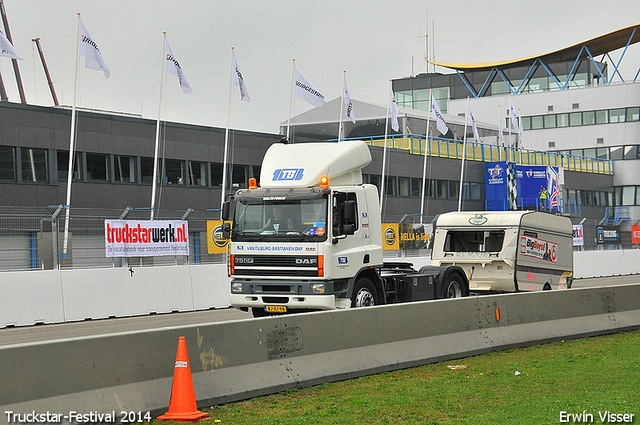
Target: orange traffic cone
(183, 399)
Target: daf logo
(306, 261)
(244, 260)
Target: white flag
(348, 104)
(521, 133)
(437, 116)
(7, 49)
(89, 49)
(239, 81)
(173, 68)
(394, 115)
(514, 116)
(501, 136)
(473, 124)
(304, 90)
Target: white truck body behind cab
(506, 251)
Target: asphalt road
(51, 332)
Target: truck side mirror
(226, 206)
(349, 218)
(226, 230)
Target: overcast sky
(373, 40)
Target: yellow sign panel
(390, 237)
(215, 243)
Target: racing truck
(310, 237)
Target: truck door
(347, 247)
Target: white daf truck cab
(310, 237)
(506, 251)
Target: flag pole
(341, 102)
(384, 152)
(71, 145)
(155, 155)
(226, 138)
(424, 165)
(293, 82)
(464, 155)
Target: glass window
(633, 114)
(97, 167)
(216, 174)
(537, 122)
(591, 153)
(616, 152)
(404, 186)
(588, 194)
(526, 123)
(454, 189)
(405, 99)
(617, 115)
(7, 163)
(588, 118)
(602, 153)
(575, 119)
(197, 173)
(63, 165)
(146, 170)
(374, 179)
(432, 188)
(549, 121)
(173, 171)
(577, 152)
(475, 190)
(239, 178)
(618, 195)
(35, 166)
(602, 117)
(390, 188)
(125, 168)
(563, 120)
(631, 152)
(442, 95)
(442, 188)
(628, 195)
(637, 195)
(474, 241)
(416, 187)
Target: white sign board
(578, 235)
(144, 238)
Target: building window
(125, 168)
(390, 188)
(454, 189)
(616, 152)
(374, 179)
(631, 152)
(549, 121)
(602, 117)
(588, 118)
(575, 119)
(562, 120)
(63, 165)
(35, 165)
(552, 145)
(550, 108)
(416, 187)
(602, 153)
(404, 186)
(628, 195)
(173, 171)
(7, 163)
(575, 106)
(442, 189)
(239, 177)
(537, 122)
(97, 167)
(633, 114)
(617, 115)
(526, 123)
(216, 174)
(146, 170)
(197, 173)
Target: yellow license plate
(275, 309)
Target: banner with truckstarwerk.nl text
(144, 238)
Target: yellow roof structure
(597, 46)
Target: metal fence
(32, 238)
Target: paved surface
(27, 334)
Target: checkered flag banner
(512, 187)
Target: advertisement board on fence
(144, 238)
(578, 235)
(635, 233)
(216, 244)
(390, 237)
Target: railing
(448, 148)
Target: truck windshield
(293, 220)
(474, 241)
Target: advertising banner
(578, 235)
(145, 238)
(538, 248)
(608, 235)
(635, 233)
(390, 238)
(532, 178)
(496, 190)
(216, 244)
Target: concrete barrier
(237, 360)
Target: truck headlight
(236, 287)
(317, 288)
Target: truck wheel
(364, 294)
(453, 286)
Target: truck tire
(364, 294)
(453, 286)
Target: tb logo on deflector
(287, 174)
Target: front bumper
(292, 302)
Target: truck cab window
(338, 217)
